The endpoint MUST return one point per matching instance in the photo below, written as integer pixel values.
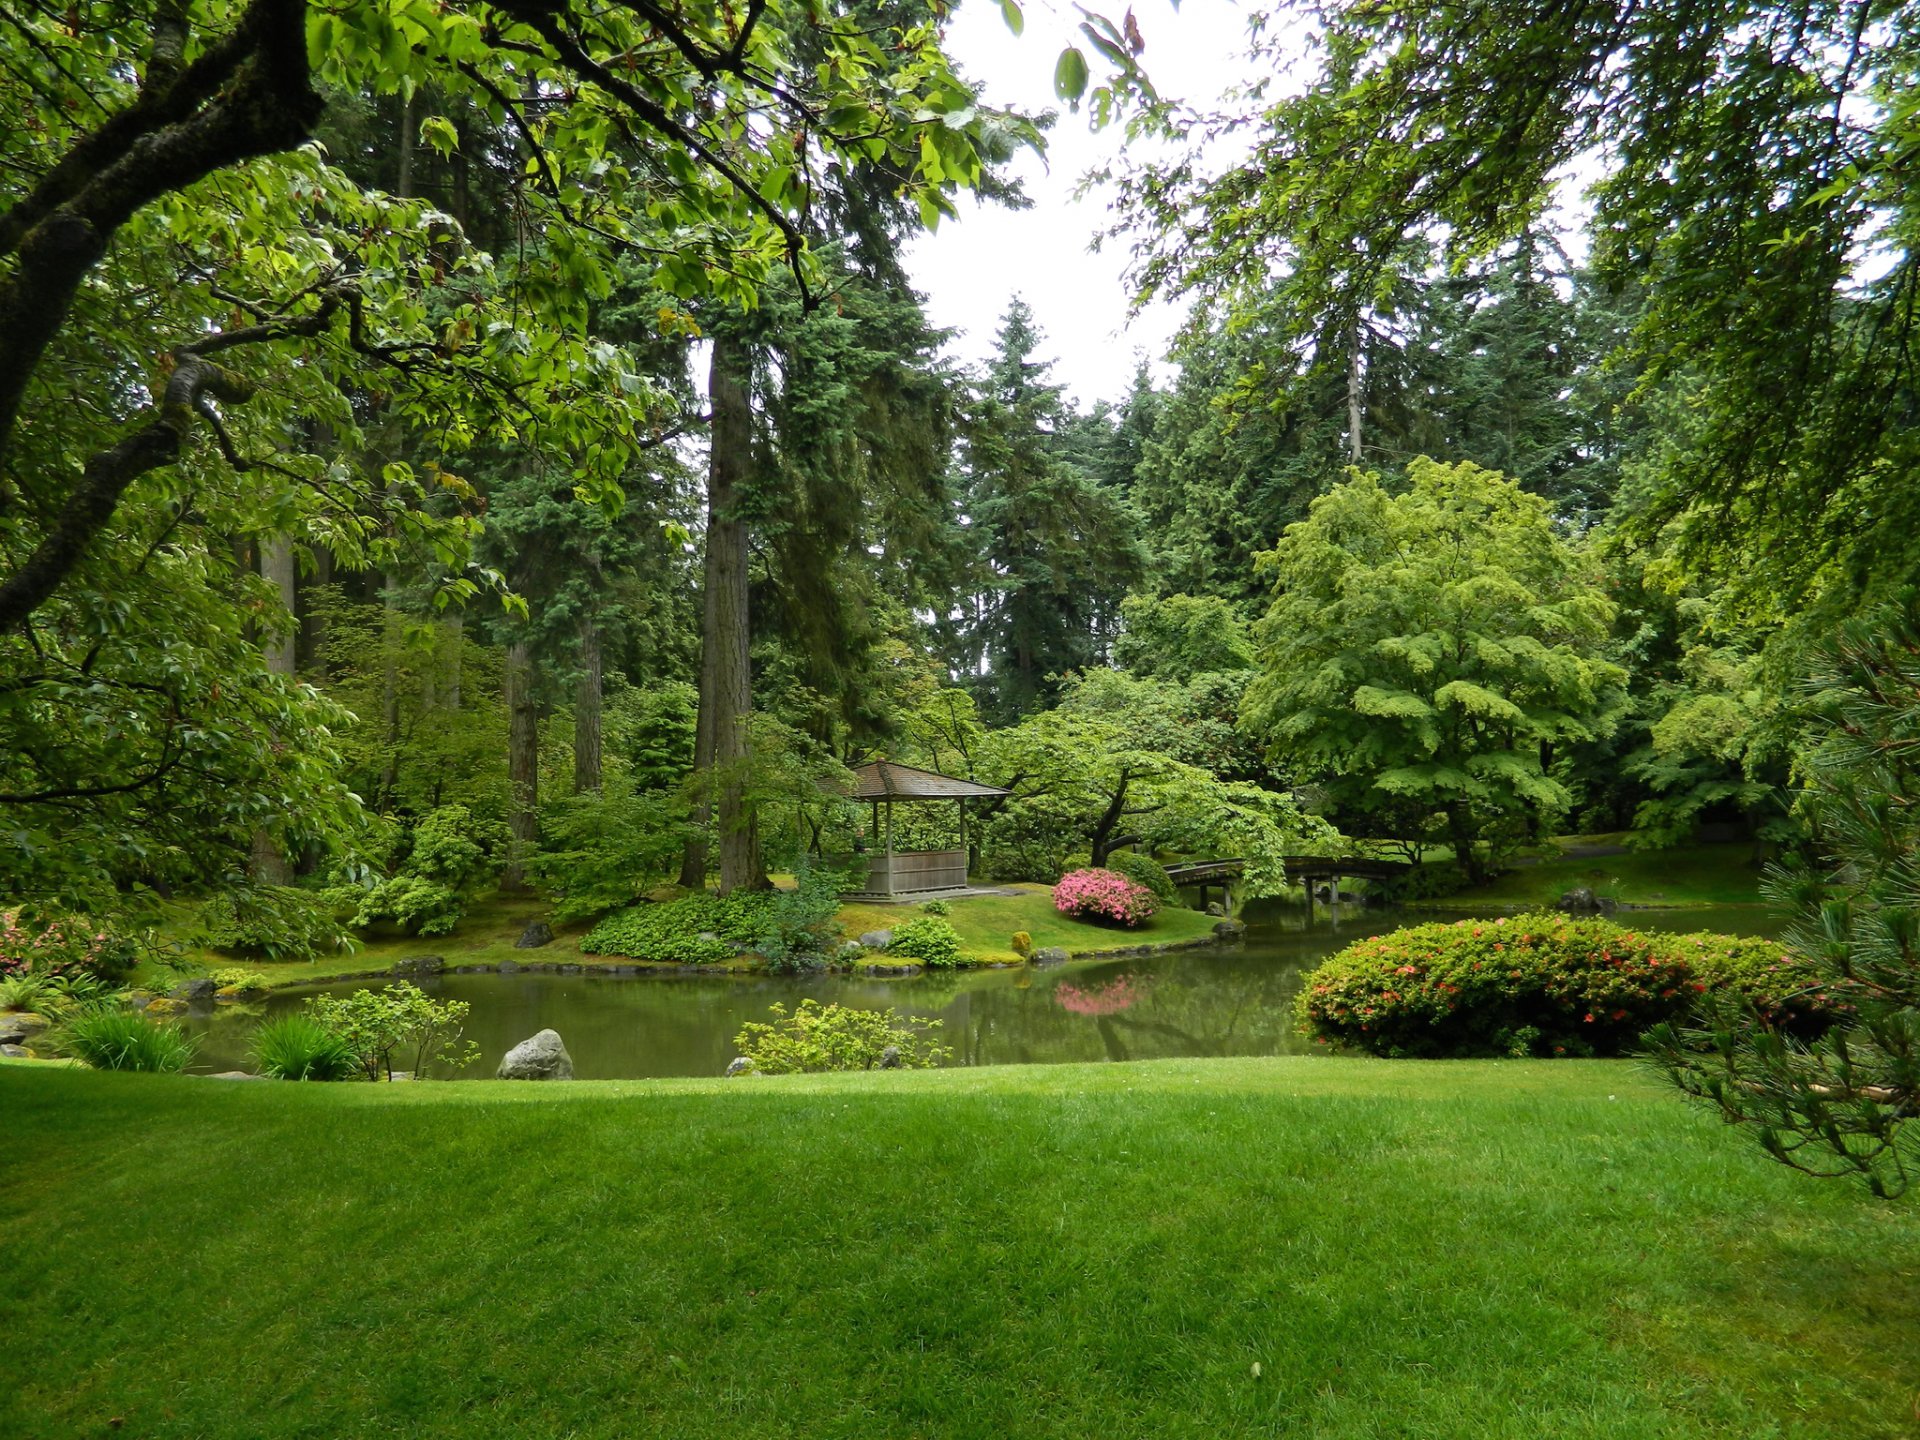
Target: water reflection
(1226, 1000)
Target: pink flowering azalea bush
(1546, 985)
(1095, 894)
(68, 946)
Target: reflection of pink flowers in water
(1108, 999)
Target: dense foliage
(396, 1021)
(1546, 985)
(928, 939)
(694, 930)
(1144, 870)
(1845, 1104)
(299, 1046)
(815, 1037)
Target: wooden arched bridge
(1205, 874)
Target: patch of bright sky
(973, 266)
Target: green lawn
(1692, 875)
(1306, 1247)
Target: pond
(1232, 999)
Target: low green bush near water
(816, 1037)
(1543, 985)
(928, 939)
(114, 1039)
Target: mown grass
(986, 924)
(1689, 876)
(1307, 1247)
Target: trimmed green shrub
(928, 939)
(1144, 870)
(276, 922)
(113, 1039)
(299, 1047)
(1022, 944)
(818, 1037)
(1538, 985)
(937, 907)
(670, 931)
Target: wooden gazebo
(891, 872)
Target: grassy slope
(986, 924)
(1476, 1251)
(486, 934)
(1689, 876)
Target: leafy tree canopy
(1428, 651)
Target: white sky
(970, 268)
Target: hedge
(1543, 985)
(670, 931)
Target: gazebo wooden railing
(891, 872)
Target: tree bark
(728, 639)
(693, 859)
(1356, 389)
(270, 865)
(586, 709)
(523, 762)
(1460, 829)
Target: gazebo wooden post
(962, 803)
(891, 887)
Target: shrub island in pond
(1546, 985)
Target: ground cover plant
(1326, 1247)
(694, 930)
(1547, 985)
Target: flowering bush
(68, 947)
(1543, 985)
(1104, 895)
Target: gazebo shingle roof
(890, 780)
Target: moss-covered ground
(1338, 1249)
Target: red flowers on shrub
(1580, 987)
(1095, 894)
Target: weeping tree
(1840, 1105)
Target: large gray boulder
(1050, 955)
(877, 939)
(543, 1057)
(537, 933)
(739, 1065)
(421, 965)
(1229, 929)
(16, 1028)
(195, 991)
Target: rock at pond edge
(539, 1057)
(537, 933)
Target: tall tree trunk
(1460, 829)
(523, 762)
(729, 637)
(693, 859)
(1356, 389)
(586, 708)
(270, 866)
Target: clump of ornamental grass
(298, 1047)
(1104, 895)
(113, 1039)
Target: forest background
(366, 534)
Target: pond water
(1218, 1000)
